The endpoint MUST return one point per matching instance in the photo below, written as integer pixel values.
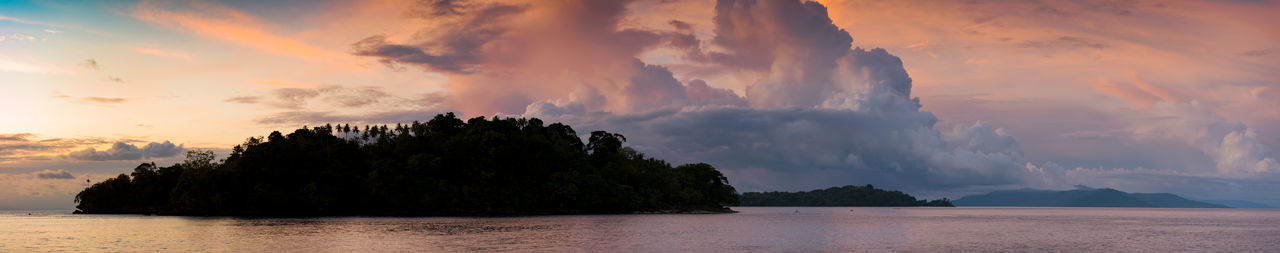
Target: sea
(751, 229)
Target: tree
(445, 166)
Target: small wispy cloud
(52, 31)
(19, 37)
(105, 100)
(244, 99)
(91, 63)
(1259, 52)
(220, 22)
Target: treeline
(838, 196)
(442, 167)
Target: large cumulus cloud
(816, 111)
(807, 109)
(822, 113)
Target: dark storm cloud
(898, 150)
(126, 151)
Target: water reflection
(754, 229)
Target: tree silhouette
(838, 196)
(444, 166)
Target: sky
(935, 98)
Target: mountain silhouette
(1081, 197)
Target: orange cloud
(230, 25)
(1157, 91)
(1137, 92)
(1124, 92)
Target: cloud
(338, 103)
(54, 174)
(436, 8)
(52, 31)
(1257, 52)
(105, 100)
(91, 63)
(126, 151)
(115, 79)
(1124, 92)
(1064, 42)
(501, 57)
(19, 37)
(820, 113)
(774, 94)
(25, 146)
(1137, 92)
(293, 98)
(15, 137)
(333, 95)
(222, 23)
(244, 99)
(459, 44)
(1234, 147)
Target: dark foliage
(838, 196)
(441, 167)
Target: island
(1082, 196)
(444, 167)
(838, 196)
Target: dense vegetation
(838, 196)
(441, 167)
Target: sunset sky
(936, 98)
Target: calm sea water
(755, 229)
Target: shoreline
(473, 215)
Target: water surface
(767, 229)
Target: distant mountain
(1081, 197)
(1238, 203)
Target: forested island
(838, 196)
(504, 166)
